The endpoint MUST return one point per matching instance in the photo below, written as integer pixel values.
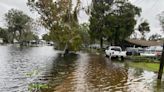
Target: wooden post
(101, 44)
(161, 65)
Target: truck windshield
(116, 49)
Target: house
(142, 43)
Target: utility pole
(161, 64)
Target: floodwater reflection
(94, 73)
(80, 72)
(16, 64)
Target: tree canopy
(60, 17)
(143, 28)
(161, 19)
(19, 25)
(113, 21)
(84, 34)
(46, 37)
(155, 37)
(4, 34)
(97, 20)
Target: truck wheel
(122, 58)
(107, 56)
(111, 57)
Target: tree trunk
(101, 43)
(161, 65)
(13, 37)
(66, 50)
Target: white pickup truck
(116, 52)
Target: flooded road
(94, 73)
(22, 67)
(18, 65)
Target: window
(116, 49)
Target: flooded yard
(21, 67)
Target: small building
(142, 43)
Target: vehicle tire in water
(107, 56)
(122, 58)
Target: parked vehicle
(94, 46)
(134, 51)
(153, 51)
(148, 53)
(115, 52)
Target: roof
(145, 42)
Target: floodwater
(22, 67)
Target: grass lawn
(145, 65)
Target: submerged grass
(150, 66)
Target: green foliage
(144, 27)
(61, 19)
(33, 87)
(145, 65)
(161, 19)
(97, 20)
(32, 73)
(113, 21)
(19, 25)
(155, 37)
(28, 36)
(4, 35)
(46, 37)
(66, 37)
(142, 58)
(37, 87)
(84, 34)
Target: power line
(140, 1)
(135, 1)
(152, 6)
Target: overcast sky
(6, 5)
(150, 10)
